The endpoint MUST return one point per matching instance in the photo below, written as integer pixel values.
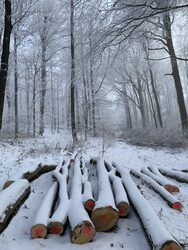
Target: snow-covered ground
(129, 233)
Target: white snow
(129, 233)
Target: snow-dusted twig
(157, 234)
(177, 175)
(105, 214)
(168, 185)
(59, 217)
(10, 199)
(87, 196)
(31, 173)
(170, 199)
(39, 228)
(83, 230)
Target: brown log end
(170, 245)
(104, 219)
(171, 188)
(83, 233)
(177, 205)
(123, 208)
(38, 231)
(56, 228)
(7, 184)
(89, 205)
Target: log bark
(121, 199)
(11, 199)
(170, 199)
(31, 174)
(158, 236)
(59, 218)
(87, 196)
(82, 228)
(157, 172)
(177, 175)
(105, 214)
(168, 185)
(39, 228)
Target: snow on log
(59, 217)
(121, 199)
(168, 185)
(87, 196)
(105, 214)
(31, 173)
(158, 236)
(170, 199)
(11, 199)
(177, 175)
(39, 229)
(120, 194)
(82, 228)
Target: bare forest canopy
(94, 67)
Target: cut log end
(123, 208)
(104, 219)
(171, 188)
(177, 206)
(56, 228)
(89, 205)
(7, 184)
(83, 233)
(170, 245)
(39, 231)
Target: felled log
(87, 196)
(59, 217)
(170, 199)
(82, 228)
(177, 175)
(73, 157)
(39, 228)
(105, 214)
(11, 199)
(168, 185)
(121, 199)
(31, 174)
(158, 236)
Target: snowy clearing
(129, 233)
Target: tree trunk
(15, 85)
(43, 75)
(34, 101)
(73, 115)
(5, 56)
(156, 99)
(175, 71)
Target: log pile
(158, 236)
(170, 199)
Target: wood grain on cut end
(83, 233)
(38, 231)
(123, 208)
(104, 219)
(7, 184)
(171, 188)
(56, 228)
(89, 205)
(170, 245)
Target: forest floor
(129, 233)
